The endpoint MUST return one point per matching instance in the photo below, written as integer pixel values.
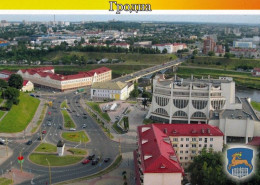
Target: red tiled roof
(255, 141)
(256, 69)
(42, 73)
(6, 72)
(25, 82)
(160, 151)
(162, 44)
(190, 129)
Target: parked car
(77, 114)
(60, 127)
(106, 159)
(49, 123)
(85, 117)
(44, 132)
(84, 126)
(86, 161)
(29, 142)
(94, 162)
(91, 157)
(72, 129)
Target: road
(99, 144)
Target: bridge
(133, 77)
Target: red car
(44, 132)
(86, 161)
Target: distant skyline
(235, 19)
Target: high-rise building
(209, 45)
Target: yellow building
(110, 90)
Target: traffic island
(75, 136)
(54, 159)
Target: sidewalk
(3, 154)
(18, 176)
(33, 123)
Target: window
(187, 139)
(193, 139)
(193, 145)
(181, 145)
(187, 152)
(191, 158)
(205, 140)
(211, 139)
(200, 139)
(175, 139)
(175, 145)
(182, 139)
(205, 145)
(180, 158)
(210, 145)
(186, 158)
(181, 152)
(187, 145)
(199, 145)
(193, 152)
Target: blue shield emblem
(240, 162)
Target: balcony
(194, 149)
(175, 142)
(194, 142)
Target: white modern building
(27, 86)
(208, 101)
(111, 90)
(171, 48)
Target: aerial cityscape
(122, 101)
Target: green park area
(64, 105)
(77, 151)
(95, 107)
(20, 115)
(75, 136)
(46, 148)
(256, 105)
(5, 181)
(1, 113)
(54, 159)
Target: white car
(72, 129)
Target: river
(246, 92)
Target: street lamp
(49, 169)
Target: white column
(171, 103)
(190, 104)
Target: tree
(3, 84)
(135, 92)
(126, 123)
(144, 103)
(227, 55)
(207, 169)
(211, 53)
(164, 51)
(195, 52)
(15, 81)
(11, 93)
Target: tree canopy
(15, 81)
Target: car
(77, 102)
(94, 162)
(29, 142)
(72, 129)
(2, 143)
(49, 123)
(106, 159)
(84, 114)
(44, 132)
(60, 127)
(85, 117)
(77, 114)
(39, 138)
(79, 106)
(91, 157)
(84, 126)
(86, 161)
(68, 103)
(37, 96)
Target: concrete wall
(162, 178)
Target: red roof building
(45, 76)
(5, 74)
(256, 72)
(168, 148)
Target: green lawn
(40, 119)
(68, 122)
(255, 105)
(20, 115)
(75, 136)
(5, 181)
(46, 148)
(76, 151)
(1, 113)
(54, 159)
(64, 104)
(95, 107)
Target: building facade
(247, 53)
(239, 44)
(27, 86)
(45, 76)
(111, 90)
(208, 101)
(155, 160)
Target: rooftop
(109, 85)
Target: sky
(235, 19)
